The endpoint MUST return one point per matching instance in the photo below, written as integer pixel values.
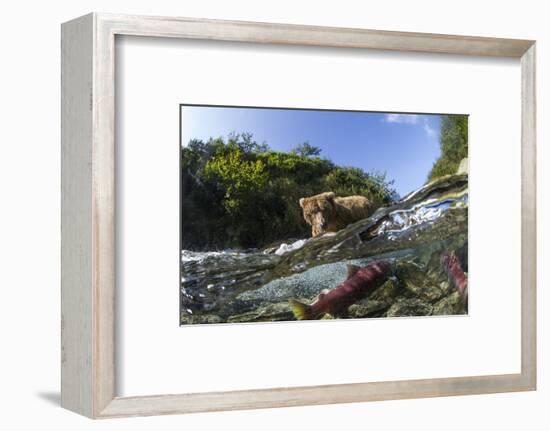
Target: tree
(246, 143)
(237, 193)
(240, 178)
(454, 145)
(306, 150)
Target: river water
(413, 234)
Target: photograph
(305, 214)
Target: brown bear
(327, 213)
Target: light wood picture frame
(88, 214)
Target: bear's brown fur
(327, 213)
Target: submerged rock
(367, 309)
(378, 302)
(409, 307)
(452, 304)
(307, 284)
(187, 319)
(417, 281)
(268, 313)
(386, 293)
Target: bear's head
(318, 211)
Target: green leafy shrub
(454, 145)
(237, 193)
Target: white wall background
(29, 219)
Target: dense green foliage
(237, 193)
(453, 143)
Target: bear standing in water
(327, 213)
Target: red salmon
(456, 274)
(360, 282)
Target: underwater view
(314, 214)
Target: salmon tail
(301, 311)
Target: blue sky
(402, 145)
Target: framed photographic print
(272, 199)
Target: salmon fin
(352, 269)
(301, 311)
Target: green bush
(454, 145)
(238, 193)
